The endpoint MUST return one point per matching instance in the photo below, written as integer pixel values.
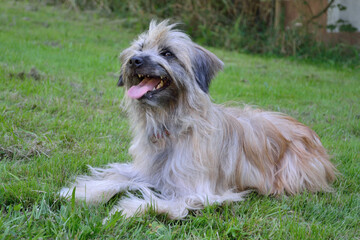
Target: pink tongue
(146, 85)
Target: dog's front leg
(102, 184)
(176, 208)
(132, 206)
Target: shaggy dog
(189, 152)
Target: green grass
(66, 114)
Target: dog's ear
(205, 66)
(120, 83)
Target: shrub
(242, 25)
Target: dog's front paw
(112, 212)
(125, 213)
(89, 195)
(66, 193)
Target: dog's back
(279, 154)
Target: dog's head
(163, 64)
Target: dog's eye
(166, 53)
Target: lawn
(61, 111)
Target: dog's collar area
(156, 137)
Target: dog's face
(163, 65)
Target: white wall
(351, 14)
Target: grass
(60, 111)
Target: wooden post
(277, 14)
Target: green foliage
(245, 26)
(60, 111)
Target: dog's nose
(136, 61)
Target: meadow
(60, 110)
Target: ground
(60, 111)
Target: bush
(242, 25)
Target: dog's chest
(159, 138)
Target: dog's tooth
(160, 85)
(139, 75)
(148, 76)
(161, 77)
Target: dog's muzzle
(149, 77)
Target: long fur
(210, 153)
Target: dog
(189, 152)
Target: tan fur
(210, 153)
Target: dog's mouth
(148, 86)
